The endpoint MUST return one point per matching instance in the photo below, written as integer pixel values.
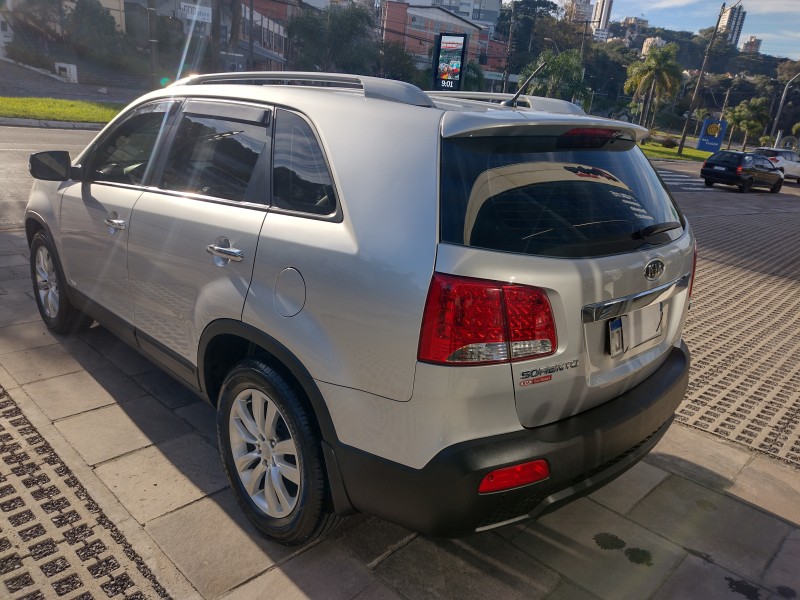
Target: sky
(776, 22)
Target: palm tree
(562, 76)
(654, 78)
(754, 115)
(734, 118)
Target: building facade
(579, 11)
(752, 45)
(416, 27)
(731, 24)
(637, 22)
(652, 42)
(601, 14)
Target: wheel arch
(225, 342)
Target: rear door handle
(226, 253)
(116, 223)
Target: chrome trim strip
(602, 311)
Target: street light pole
(700, 77)
(780, 106)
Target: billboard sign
(711, 135)
(448, 57)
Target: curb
(50, 124)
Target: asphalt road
(16, 144)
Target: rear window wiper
(652, 230)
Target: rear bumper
(724, 177)
(584, 452)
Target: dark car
(742, 169)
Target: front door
(193, 240)
(96, 212)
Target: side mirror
(53, 165)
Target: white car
(786, 160)
(444, 312)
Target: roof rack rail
(523, 101)
(373, 87)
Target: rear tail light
(475, 321)
(704, 165)
(739, 170)
(514, 476)
(773, 159)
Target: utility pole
(153, 37)
(216, 31)
(700, 77)
(251, 62)
(507, 71)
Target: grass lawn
(657, 151)
(51, 109)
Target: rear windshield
(531, 195)
(725, 158)
(767, 152)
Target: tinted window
(123, 155)
(725, 158)
(533, 196)
(300, 177)
(215, 156)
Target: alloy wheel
(47, 282)
(264, 453)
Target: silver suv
(448, 313)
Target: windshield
(531, 196)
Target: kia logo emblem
(654, 269)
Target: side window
(748, 162)
(216, 156)
(300, 178)
(124, 154)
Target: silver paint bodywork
(346, 296)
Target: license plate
(718, 168)
(634, 329)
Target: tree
(654, 78)
(734, 119)
(92, 30)
(473, 77)
(754, 114)
(560, 78)
(395, 63)
(43, 15)
(699, 114)
(336, 39)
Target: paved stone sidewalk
(702, 518)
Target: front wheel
(55, 308)
(272, 454)
(777, 186)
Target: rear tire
(777, 187)
(745, 187)
(272, 454)
(50, 289)
(709, 183)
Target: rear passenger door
(194, 232)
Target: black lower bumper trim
(584, 452)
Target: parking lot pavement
(110, 482)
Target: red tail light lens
(514, 476)
(474, 321)
(739, 170)
(773, 159)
